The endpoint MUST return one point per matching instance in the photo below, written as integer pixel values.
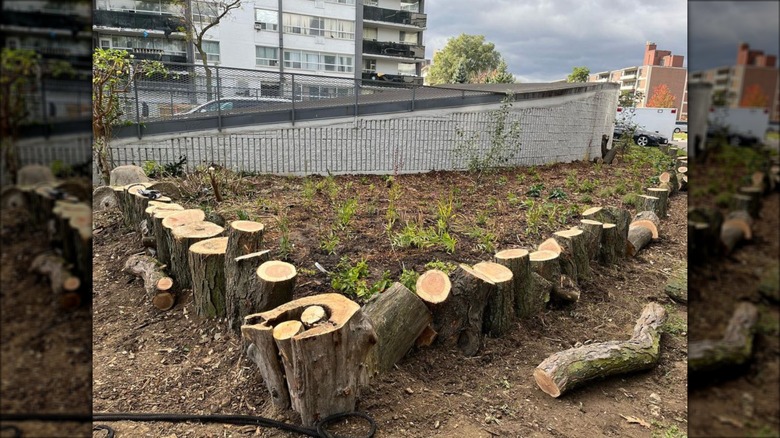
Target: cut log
(670, 178)
(433, 287)
(500, 310)
(181, 239)
(683, 170)
(242, 291)
(683, 182)
(399, 317)
(592, 237)
(12, 197)
(567, 290)
(667, 186)
(327, 359)
(568, 369)
(207, 269)
(755, 194)
(735, 348)
(649, 219)
(163, 234)
(104, 198)
(458, 318)
(639, 236)
(609, 242)
(63, 283)
(527, 304)
(663, 200)
(649, 203)
(244, 237)
(740, 201)
(737, 227)
(313, 315)
(157, 284)
(547, 265)
(677, 285)
(574, 256)
(275, 282)
(613, 215)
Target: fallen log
(157, 284)
(500, 309)
(737, 227)
(592, 237)
(643, 228)
(207, 270)
(734, 348)
(327, 359)
(244, 297)
(609, 242)
(663, 200)
(570, 368)
(244, 237)
(649, 218)
(64, 285)
(677, 285)
(527, 303)
(399, 317)
(181, 239)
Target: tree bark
(592, 237)
(327, 359)
(207, 268)
(677, 285)
(275, 283)
(182, 238)
(157, 285)
(568, 369)
(671, 179)
(609, 242)
(500, 309)
(244, 237)
(649, 203)
(663, 200)
(754, 193)
(683, 182)
(613, 215)
(242, 295)
(638, 237)
(546, 264)
(527, 303)
(574, 256)
(651, 218)
(161, 234)
(735, 348)
(399, 317)
(737, 227)
(744, 202)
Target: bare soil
(151, 361)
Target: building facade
(753, 81)
(361, 39)
(659, 67)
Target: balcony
(158, 55)
(372, 78)
(405, 18)
(44, 20)
(398, 50)
(137, 20)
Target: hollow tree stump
(734, 348)
(246, 296)
(573, 244)
(677, 285)
(244, 237)
(458, 317)
(570, 368)
(181, 239)
(157, 284)
(663, 200)
(737, 227)
(399, 317)
(592, 237)
(670, 178)
(500, 309)
(433, 287)
(327, 359)
(207, 269)
(64, 285)
(527, 302)
(608, 254)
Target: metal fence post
(219, 103)
(292, 84)
(137, 111)
(357, 96)
(43, 107)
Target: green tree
(720, 98)
(113, 72)
(18, 73)
(499, 75)
(661, 98)
(629, 98)
(460, 76)
(578, 74)
(477, 55)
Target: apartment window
(408, 37)
(343, 2)
(105, 43)
(371, 2)
(204, 11)
(410, 5)
(408, 69)
(318, 61)
(370, 33)
(318, 26)
(268, 56)
(266, 20)
(369, 65)
(212, 51)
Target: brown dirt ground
(46, 352)
(148, 361)
(744, 402)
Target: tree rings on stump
(527, 304)
(433, 286)
(276, 280)
(313, 315)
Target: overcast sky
(717, 27)
(542, 40)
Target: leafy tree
(661, 98)
(720, 98)
(754, 97)
(499, 75)
(18, 73)
(204, 15)
(113, 72)
(477, 56)
(460, 76)
(578, 74)
(629, 98)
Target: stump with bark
(157, 284)
(734, 348)
(181, 239)
(244, 237)
(275, 284)
(527, 302)
(670, 179)
(663, 200)
(570, 368)
(242, 288)
(572, 243)
(64, 284)
(546, 264)
(643, 228)
(162, 235)
(613, 215)
(737, 227)
(399, 317)
(207, 270)
(753, 205)
(744, 202)
(433, 287)
(608, 254)
(592, 237)
(327, 359)
(649, 203)
(683, 178)
(500, 309)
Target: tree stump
(700, 240)
(458, 317)
(283, 334)
(737, 227)
(683, 170)
(399, 317)
(760, 180)
(104, 198)
(735, 348)
(275, 283)
(677, 285)
(741, 202)
(182, 238)
(574, 253)
(546, 264)
(64, 285)
(433, 288)
(327, 359)
(649, 203)
(527, 303)
(157, 284)
(592, 237)
(638, 237)
(570, 368)
(608, 254)
(670, 178)
(314, 315)
(755, 194)
(242, 290)
(683, 182)
(500, 309)
(244, 237)
(207, 269)
(613, 215)
(663, 200)
(162, 234)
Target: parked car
(681, 127)
(234, 103)
(641, 137)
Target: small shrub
(535, 191)
(486, 241)
(345, 212)
(285, 246)
(308, 191)
(586, 186)
(409, 279)
(330, 242)
(586, 199)
(242, 215)
(512, 199)
(152, 169)
(352, 280)
(502, 180)
(605, 192)
(557, 194)
(447, 267)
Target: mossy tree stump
(207, 268)
(500, 309)
(567, 369)
(677, 285)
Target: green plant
(308, 191)
(520, 178)
(307, 271)
(486, 241)
(418, 236)
(535, 191)
(352, 280)
(444, 213)
(504, 142)
(630, 199)
(502, 180)
(571, 180)
(586, 186)
(605, 192)
(620, 188)
(409, 279)
(393, 195)
(481, 218)
(330, 242)
(586, 199)
(557, 194)
(151, 168)
(447, 267)
(285, 245)
(345, 212)
(242, 215)
(512, 199)
(670, 432)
